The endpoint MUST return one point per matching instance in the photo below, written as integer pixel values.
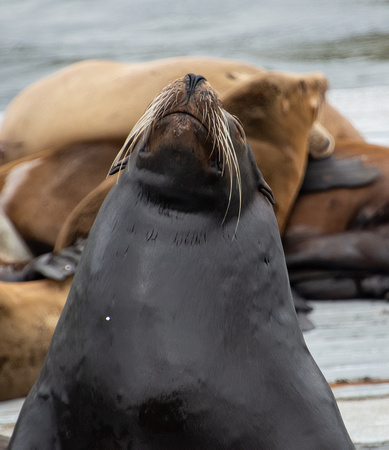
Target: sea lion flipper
(331, 173)
(54, 265)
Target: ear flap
(120, 165)
(262, 186)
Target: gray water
(348, 40)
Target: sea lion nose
(192, 81)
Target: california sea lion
(40, 202)
(92, 100)
(38, 192)
(179, 330)
(277, 111)
(28, 316)
(95, 99)
(337, 241)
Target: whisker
(213, 117)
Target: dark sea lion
(179, 329)
(41, 201)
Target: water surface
(346, 39)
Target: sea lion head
(278, 110)
(191, 152)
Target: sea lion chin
(179, 330)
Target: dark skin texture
(179, 330)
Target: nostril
(192, 81)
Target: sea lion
(94, 99)
(50, 270)
(27, 323)
(278, 111)
(338, 125)
(179, 329)
(337, 241)
(38, 192)
(81, 165)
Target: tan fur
(93, 100)
(80, 221)
(28, 315)
(42, 199)
(99, 100)
(336, 210)
(277, 111)
(321, 143)
(278, 136)
(337, 124)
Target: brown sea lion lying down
(93, 100)
(277, 111)
(38, 192)
(337, 241)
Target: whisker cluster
(211, 115)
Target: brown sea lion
(93, 100)
(278, 111)
(28, 316)
(337, 241)
(38, 192)
(339, 127)
(170, 337)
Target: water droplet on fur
(68, 267)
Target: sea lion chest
(168, 323)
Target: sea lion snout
(192, 81)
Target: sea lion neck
(175, 177)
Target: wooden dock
(351, 346)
